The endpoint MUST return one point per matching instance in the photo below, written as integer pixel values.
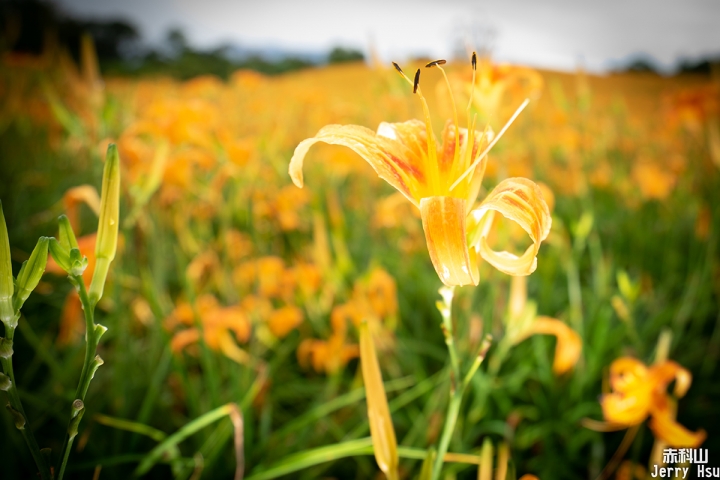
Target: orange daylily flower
(284, 320)
(523, 323)
(443, 181)
(640, 391)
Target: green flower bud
(67, 236)
(31, 272)
(7, 314)
(5, 382)
(108, 222)
(60, 254)
(78, 262)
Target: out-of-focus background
(233, 285)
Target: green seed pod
(60, 254)
(31, 272)
(7, 314)
(67, 236)
(108, 222)
(5, 382)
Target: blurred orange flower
(284, 320)
(639, 392)
(217, 323)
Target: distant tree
(177, 42)
(704, 66)
(641, 65)
(340, 55)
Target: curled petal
(443, 220)
(569, 344)
(668, 371)
(395, 152)
(519, 200)
(624, 409)
(667, 429)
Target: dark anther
(474, 61)
(435, 63)
(417, 81)
(397, 67)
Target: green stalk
(450, 421)
(458, 384)
(18, 412)
(93, 332)
(456, 389)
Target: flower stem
(456, 388)
(16, 407)
(93, 332)
(458, 383)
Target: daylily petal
(443, 220)
(569, 344)
(412, 135)
(452, 166)
(626, 409)
(627, 374)
(392, 158)
(668, 371)
(667, 429)
(519, 200)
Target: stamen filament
(399, 70)
(457, 124)
(492, 143)
(432, 148)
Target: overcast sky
(559, 34)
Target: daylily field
(260, 330)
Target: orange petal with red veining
(393, 160)
(443, 220)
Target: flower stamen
(437, 64)
(491, 144)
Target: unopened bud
(381, 427)
(66, 233)
(5, 382)
(6, 277)
(78, 262)
(31, 272)
(107, 234)
(60, 254)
